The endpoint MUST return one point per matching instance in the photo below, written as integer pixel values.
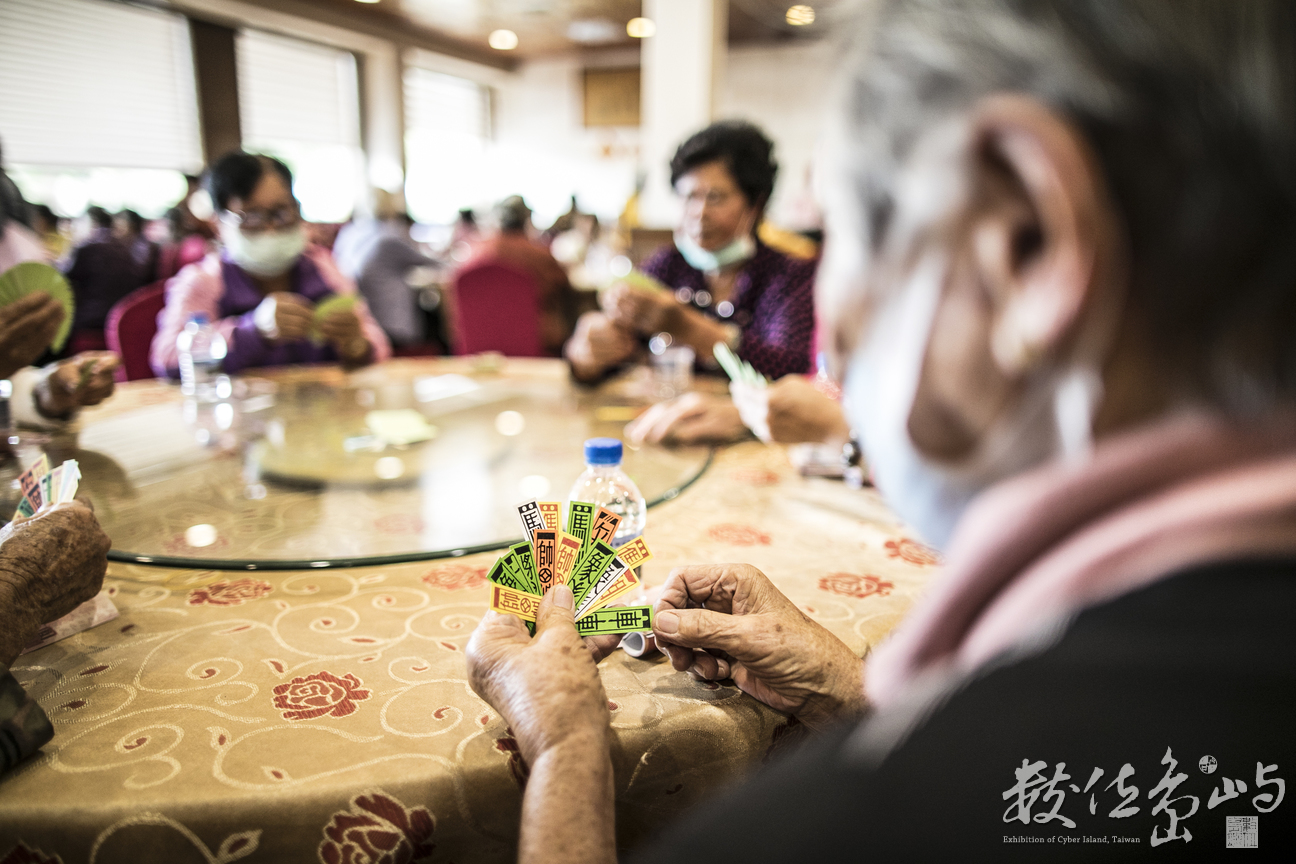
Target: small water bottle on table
(201, 350)
(604, 484)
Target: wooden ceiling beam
(400, 31)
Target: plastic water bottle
(201, 351)
(604, 484)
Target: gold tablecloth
(325, 715)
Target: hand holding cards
(54, 554)
(42, 487)
(33, 277)
(581, 558)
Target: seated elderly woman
(1061, 286)
(49, 396)
(725, 284)
(261, 289)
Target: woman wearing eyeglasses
(725, 284)
(261, 289)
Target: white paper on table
(99, 609)
(400, 426)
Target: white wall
(784, 89)
(543, 150)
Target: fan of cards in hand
(581, 558)
(42, 487)
(31, 277)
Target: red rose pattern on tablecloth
(756, 476)
(319, 695)
(452, 577)
(734, 534)
(378, 829)
(22, 854)
(227, 593)
(853, 585)
(913, 552)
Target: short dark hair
(99, 216)
(741, 147)
(43, 213)
(513, 214)
(236, 174)
(133, 219)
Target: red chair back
(130, 327)
(497, 309)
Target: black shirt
(1189, 682)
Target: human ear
(1039, 235)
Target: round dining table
(285, 680)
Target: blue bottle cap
(603, 451)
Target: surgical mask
(739, 249)
(1052, 419)
(266, 254)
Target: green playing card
(326, 307)
(32, 276)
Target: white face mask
(1052, 418)
(267, 254)
(739, 249)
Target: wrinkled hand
(342, 330)
(598, 344)
(27, 328)
(86, 379)
(546, 688)
(284, 317)
(688, 419)
(639, 311)
(800, 413)
(49, 565)
(729, 621)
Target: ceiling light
(641, 28)
(366, 1)
(503, 40)
(799, 16)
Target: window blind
(291, 90)
(96, 83)
(435, 102)
(446, 160)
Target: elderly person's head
(99, 218)
(1051, 221)
(260, 219)
(725, 174)
(512, 215)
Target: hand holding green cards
(36, 309)
(580, 558)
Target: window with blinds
(299, 101)
(97, 104)
(447, 122)
(95, 83)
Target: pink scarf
(1033, 551)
